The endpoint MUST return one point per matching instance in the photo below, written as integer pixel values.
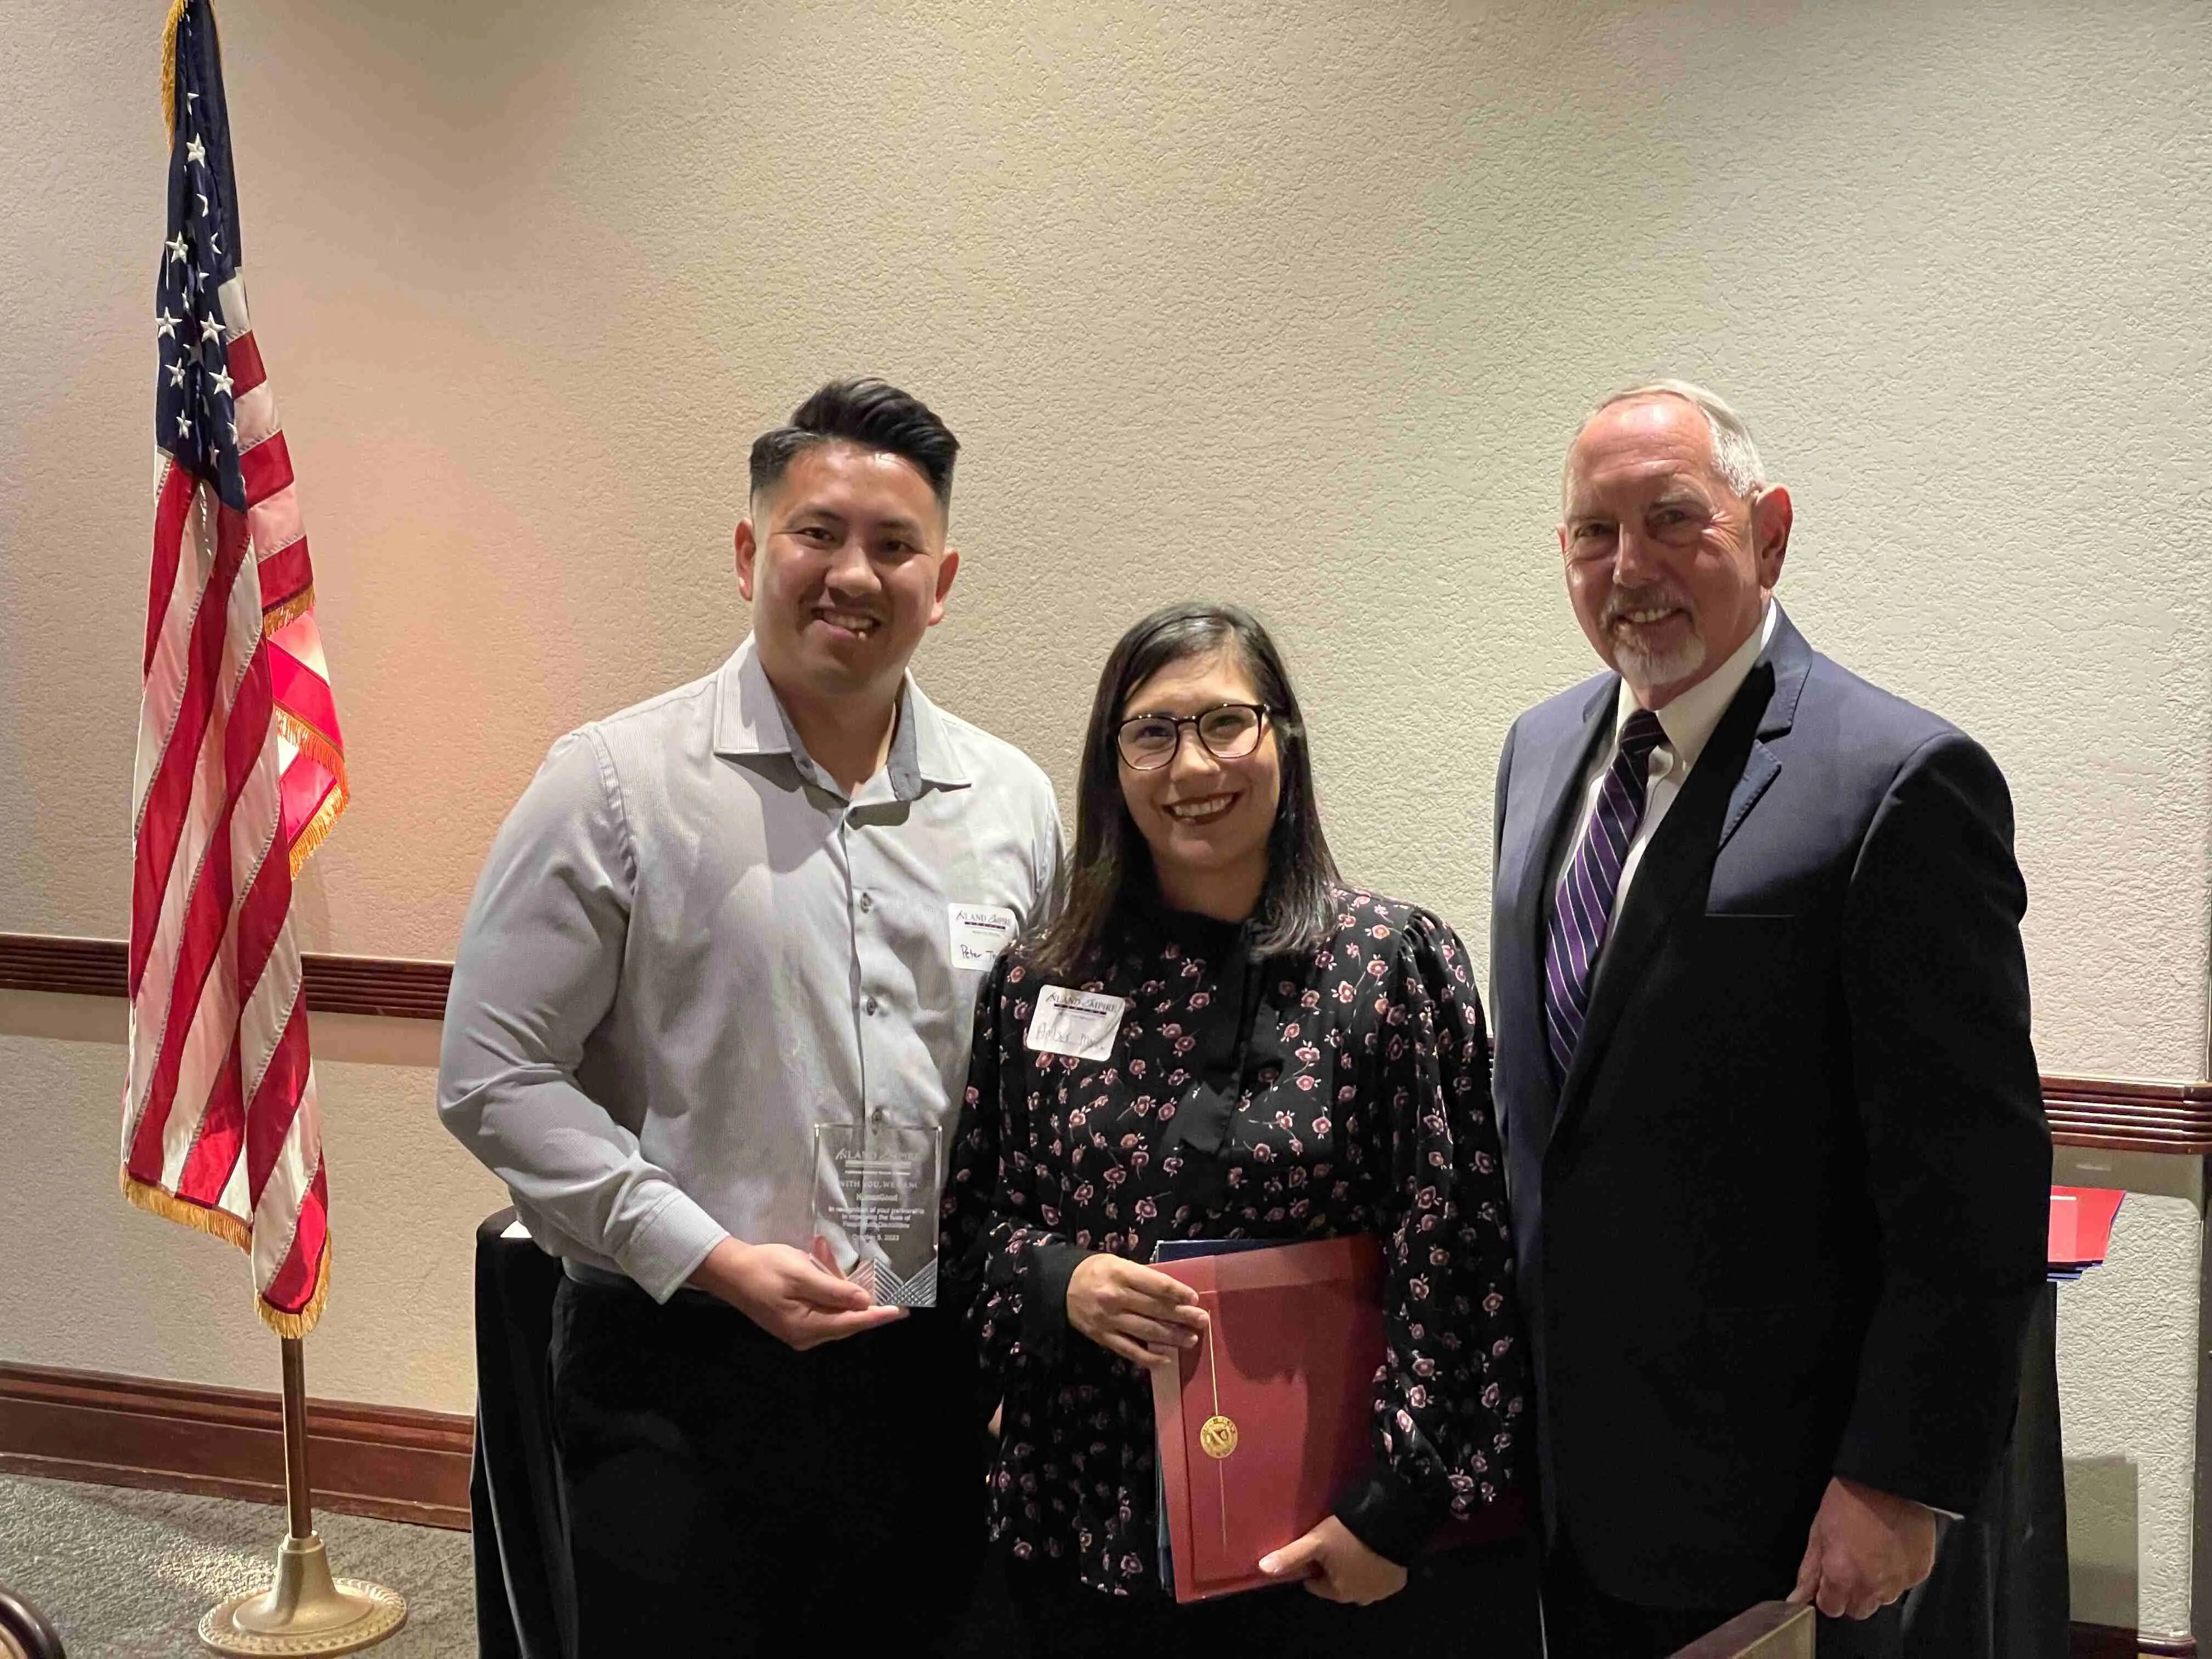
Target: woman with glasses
(1219, 1039)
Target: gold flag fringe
(221, 1223)
(279, 616)
(327, 755)
(159, 1200)
(169, 67)
(295, 1326)
(315, 744)
(317, 828)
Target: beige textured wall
(2130, 1359)
(1292, 303)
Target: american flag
(240, 771)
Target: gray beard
(1645, 671)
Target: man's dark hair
(868, 413)
(1109, 876)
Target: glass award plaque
(875, 1202)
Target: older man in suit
(1774, 1123)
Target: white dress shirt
(1688, 721)
(689, 948)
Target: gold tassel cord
(169, 66)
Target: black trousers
(1479, 1600)
(1581, 1621)
(725, 1494)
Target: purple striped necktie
(1581, 904)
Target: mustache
(1656, 596)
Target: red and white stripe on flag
(241, 773)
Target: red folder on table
(2081, 1227)
(1268, 1418)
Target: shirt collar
(749, 719)
(1689, 720)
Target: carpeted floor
(128, 1573)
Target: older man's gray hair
(1734, 453)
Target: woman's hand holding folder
(1131, 1311)
(1336, 1565)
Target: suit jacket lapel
(1791, 658)
(1556, 803)
(1677, 863)
(1558, 799)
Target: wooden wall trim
(2113, 1114)
(2117, 1642)
(394, 987)
(390, 1462)
(2129, 1116)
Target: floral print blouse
(1344, 1091)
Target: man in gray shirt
(755, 905)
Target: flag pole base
(306, 1611)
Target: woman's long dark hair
(1111, 875)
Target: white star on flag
(211, 329)
(165, 326)
(176, 246)
(195, 150)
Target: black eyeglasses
(1230, 731)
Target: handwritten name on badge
(1078, 1023)
(980, 932)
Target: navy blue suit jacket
(1784, 1218)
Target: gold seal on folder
(1217, 1437)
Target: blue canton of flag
(195, 407)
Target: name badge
(1078, 1023)
(980, 932)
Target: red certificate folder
(2081, 1226)
(1265, 1421)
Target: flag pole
(306, 1611)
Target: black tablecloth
(515, 1494)
(1999, 1588)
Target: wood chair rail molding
(2117, 1642)
(390, 1462)
(2113, 1114)
(393, 988)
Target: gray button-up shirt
(689, 948)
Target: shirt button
(868, 901)
(872, 1004)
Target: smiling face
(1669, 566)
(1206, 820)
(845, 561)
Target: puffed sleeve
(1451, 1411)
(1006, 1263)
